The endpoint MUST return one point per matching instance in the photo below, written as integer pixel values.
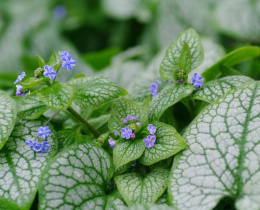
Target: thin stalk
(51, 118)
(57, 71)
(81, 119)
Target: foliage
(156, 119)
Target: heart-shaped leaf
(168, 143)
(126, 151)
(58, 96)
(7, 117)
(123, 107)
(21, 167)
(223, 156)
(173, 53)
(136, 189)
(91, 93)
(30, 107)
(170, 95)
(216, 88)
(77, 176)
(115, 201)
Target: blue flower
(154, 88)
(44, 132)
(116, 133)
(134, 164)
(123, 121)
(49, 72)
(149, 141)
(68, 62)
(111, 142)
(20, 91)
(151, 129)
(42, 147)
(31, 144)
(197, 80)
(20, 77)
(59, 12)
(126, 132)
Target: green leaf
(21, 167)
(30, 107)
(99, 121)
(223, 156)
(136, 189)
(185, 59)
(115, 201)
(173, 53)
(7, 116)
(77, 176)
(234, 57)
(127, 151)
(40, 61)
(93, 92)
(54, 61)
(216, 88)
(32, 81)
(123, 107)
(168, 143)
(58, 96)
(149, 207)
(170, 95)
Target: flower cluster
(67, 61)
(20, 77)
(38, 147)
(150, 139)
(43, 132)
(21, 92)
(197, 80)
(154, 88)
(111, 142)
(128, 119)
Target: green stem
(48, 83)
(81, 119)
(51, 118)
(57, 71)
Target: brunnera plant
(123, 151)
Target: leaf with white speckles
(30, 107)
(223, 155)
(77, 176)
(7, 116)
(168, 143)
(93, 92)
(127, 150)
(123, 107)
(170, 95)
(136, 189)
(216, 88)
(149, 207)
(21, 167)
(173, 53)
(58, 96)
(185, 59)
(115, 201)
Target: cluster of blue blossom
(19, 88)
(150, 139)
(43, 132)
(128, 132)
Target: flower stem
(57, 71)
(51, 118)
(81, 119)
